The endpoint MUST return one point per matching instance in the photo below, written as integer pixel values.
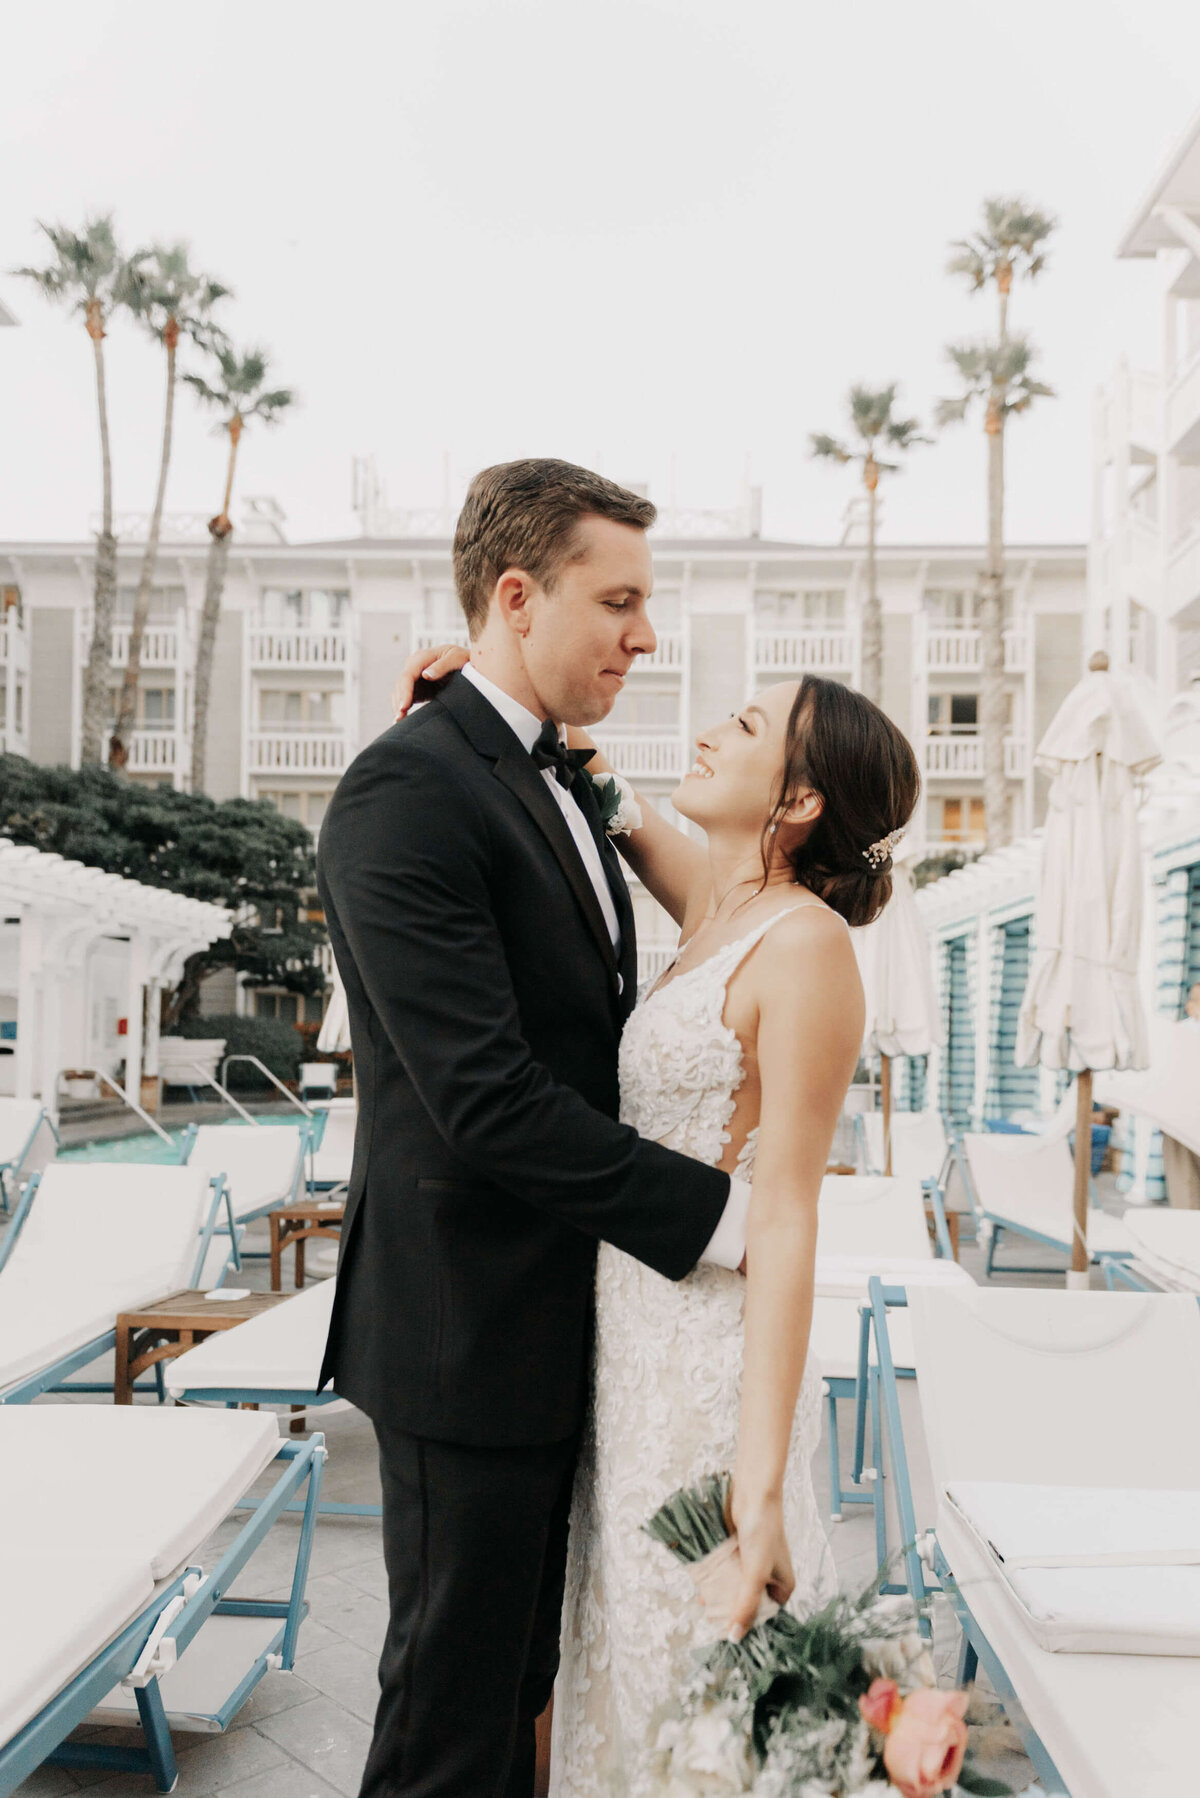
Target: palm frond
(952, 412)
(870, 409)
(822, 445)
(85, 266)
(1011, 237)
(904, 432)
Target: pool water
(147, 1147)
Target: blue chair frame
(11, 1170)
(42, 1739)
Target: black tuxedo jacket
(486, 1004)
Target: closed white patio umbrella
(334, 1038)
(897, 975)
(1082, 1009)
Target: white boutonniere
(619, 810)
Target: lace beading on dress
(665, 1410)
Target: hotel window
(305, 806)
(165, 603)
(303, 608)
(441, 611)
(953, 714)
(156, 708)
(301, 708)
(809, 609)
(963, 821)
(651, 710)
(957, 608)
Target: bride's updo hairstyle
(843, 747)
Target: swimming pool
(147, 1147)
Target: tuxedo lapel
(520, 775)
(618, 886)
(487, 732)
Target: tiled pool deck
(305, 1734)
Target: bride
(741, 1056)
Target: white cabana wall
(81, 950)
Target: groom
(484, 933)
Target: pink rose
(880, 1704)
(924, 1750)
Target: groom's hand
(421, 674)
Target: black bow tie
(551, 752)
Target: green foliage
(873, 423)
(239, 853)
(277, 1045)
(164, 287)
(240, 390)
(996, 372)
(1009, 242)
(87, 266)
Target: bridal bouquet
(842, 1704)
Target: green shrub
(277, 1045)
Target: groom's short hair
(524, 515)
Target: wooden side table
(292, 1225)
(169, 1327)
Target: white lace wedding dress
(665, 1411)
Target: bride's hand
(421, 673)
(766, 1561)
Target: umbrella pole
(1083, 1164)
(885, 1100)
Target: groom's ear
(513, 594)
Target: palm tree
(996, 373)
(90, 276)
(873, 423)
(240, 395)
(171, 301)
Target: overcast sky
(641, 234)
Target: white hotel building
(312, 635)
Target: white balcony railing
(819, 652)
(153, 751)
(14, 646)
(297, 752)
(433, 639)
(160, 646)
(297, 649)
(959, 651)
(653, 959)
(962, 757)
(643, 757)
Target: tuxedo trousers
(475, 1542)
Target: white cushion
(332, 1161)
(1168, 1238)
(258, 1161)
(98, 1502)
(57, 1615)
(872, 1215)
(1094, 1570)
(100, 1237)
(279, 1350)
(846, 1276)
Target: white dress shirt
(727, 1245)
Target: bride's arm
(664, 858)
(809, 1033)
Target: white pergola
(64, 910)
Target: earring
(772, 829)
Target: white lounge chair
(865, 1225)
(334, 1154)
(1034, 1403)
(1166, 1252)
(28, 1141)
(919, 1143)
(1025, 1185)
(263, 1165)
(272, 1359)
(102, 1512)
(89, 1240)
